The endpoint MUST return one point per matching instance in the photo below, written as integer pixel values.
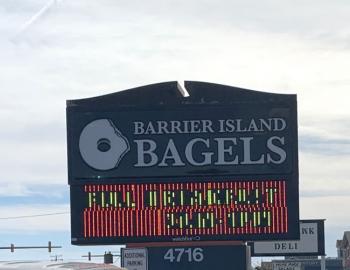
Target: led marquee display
(170, 211)
(150, 165)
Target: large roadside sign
(311, 243)
(149, 164)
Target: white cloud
(60, 222)
(326, 128)
(88, 48)
(13, 189)
(326, 208)
(85, 49)
(324, 174)
(34, 163)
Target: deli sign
(221, 131)
(311, 243)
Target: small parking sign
(134, 258)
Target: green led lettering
(155, 198)
(90, 199)
(150, 199)
(271, 196)
(254, 219)
(128, 199)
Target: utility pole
(56, 258)
(107, 257)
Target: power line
(37, 215)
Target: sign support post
(323, 262)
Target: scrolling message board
(148, 164)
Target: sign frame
(87, 117)
(320, 243)
(239, 107)
(123, 259)
(198, 257)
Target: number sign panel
(195, 258)
(148, 164)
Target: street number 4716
(175, 255)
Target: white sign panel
(286, 266)
(308, 243)
(134, 258)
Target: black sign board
(149, 164)
(197, 257)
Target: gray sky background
(80, 49)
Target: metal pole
(12, 247)
(323, 262)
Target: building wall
(343, 248)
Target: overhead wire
(36, 215)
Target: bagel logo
(102, 145)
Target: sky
(53, 51)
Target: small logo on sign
(102, 145)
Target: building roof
(345, 242)
(339, 243)
(347, 236)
